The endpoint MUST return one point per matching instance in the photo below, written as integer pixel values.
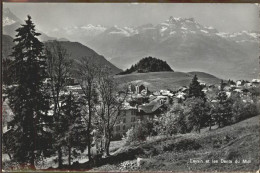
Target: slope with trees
(148, 64)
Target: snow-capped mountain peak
(92, 27)
(183, 26)
(124, 31)
(240, 37)
(7, 21)
(9, 18)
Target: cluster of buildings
(144, 104)
(140, 104)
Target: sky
(224, 17)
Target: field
(238, 143)
(166, 80)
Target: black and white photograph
(130, 87)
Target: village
(141, 104)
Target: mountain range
(185, 44)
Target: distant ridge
(148, 64)
(78, 50)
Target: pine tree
(27, 98)
(195, 89)
(223, 113)
(196, 113)
(196, 107)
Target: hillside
(77, 51)
(7, 44)
(146, 65)
(236, 142)
(165, 80)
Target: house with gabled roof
(130, 116)
(155, 107)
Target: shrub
(232, 154)
(196, 113)
(243, 108)
(139, 133)
(172, 122)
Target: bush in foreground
(137, 134)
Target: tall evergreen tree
(27, 98)
(196, 113)
(223, 113)
(195, 89)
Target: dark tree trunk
(32, 160)
(89, 147)
(88, 130)
(107, 149)
(60, 157)
(107, 144)
(69, 157)
(210, 122)
(9, 156)
(33, 136)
